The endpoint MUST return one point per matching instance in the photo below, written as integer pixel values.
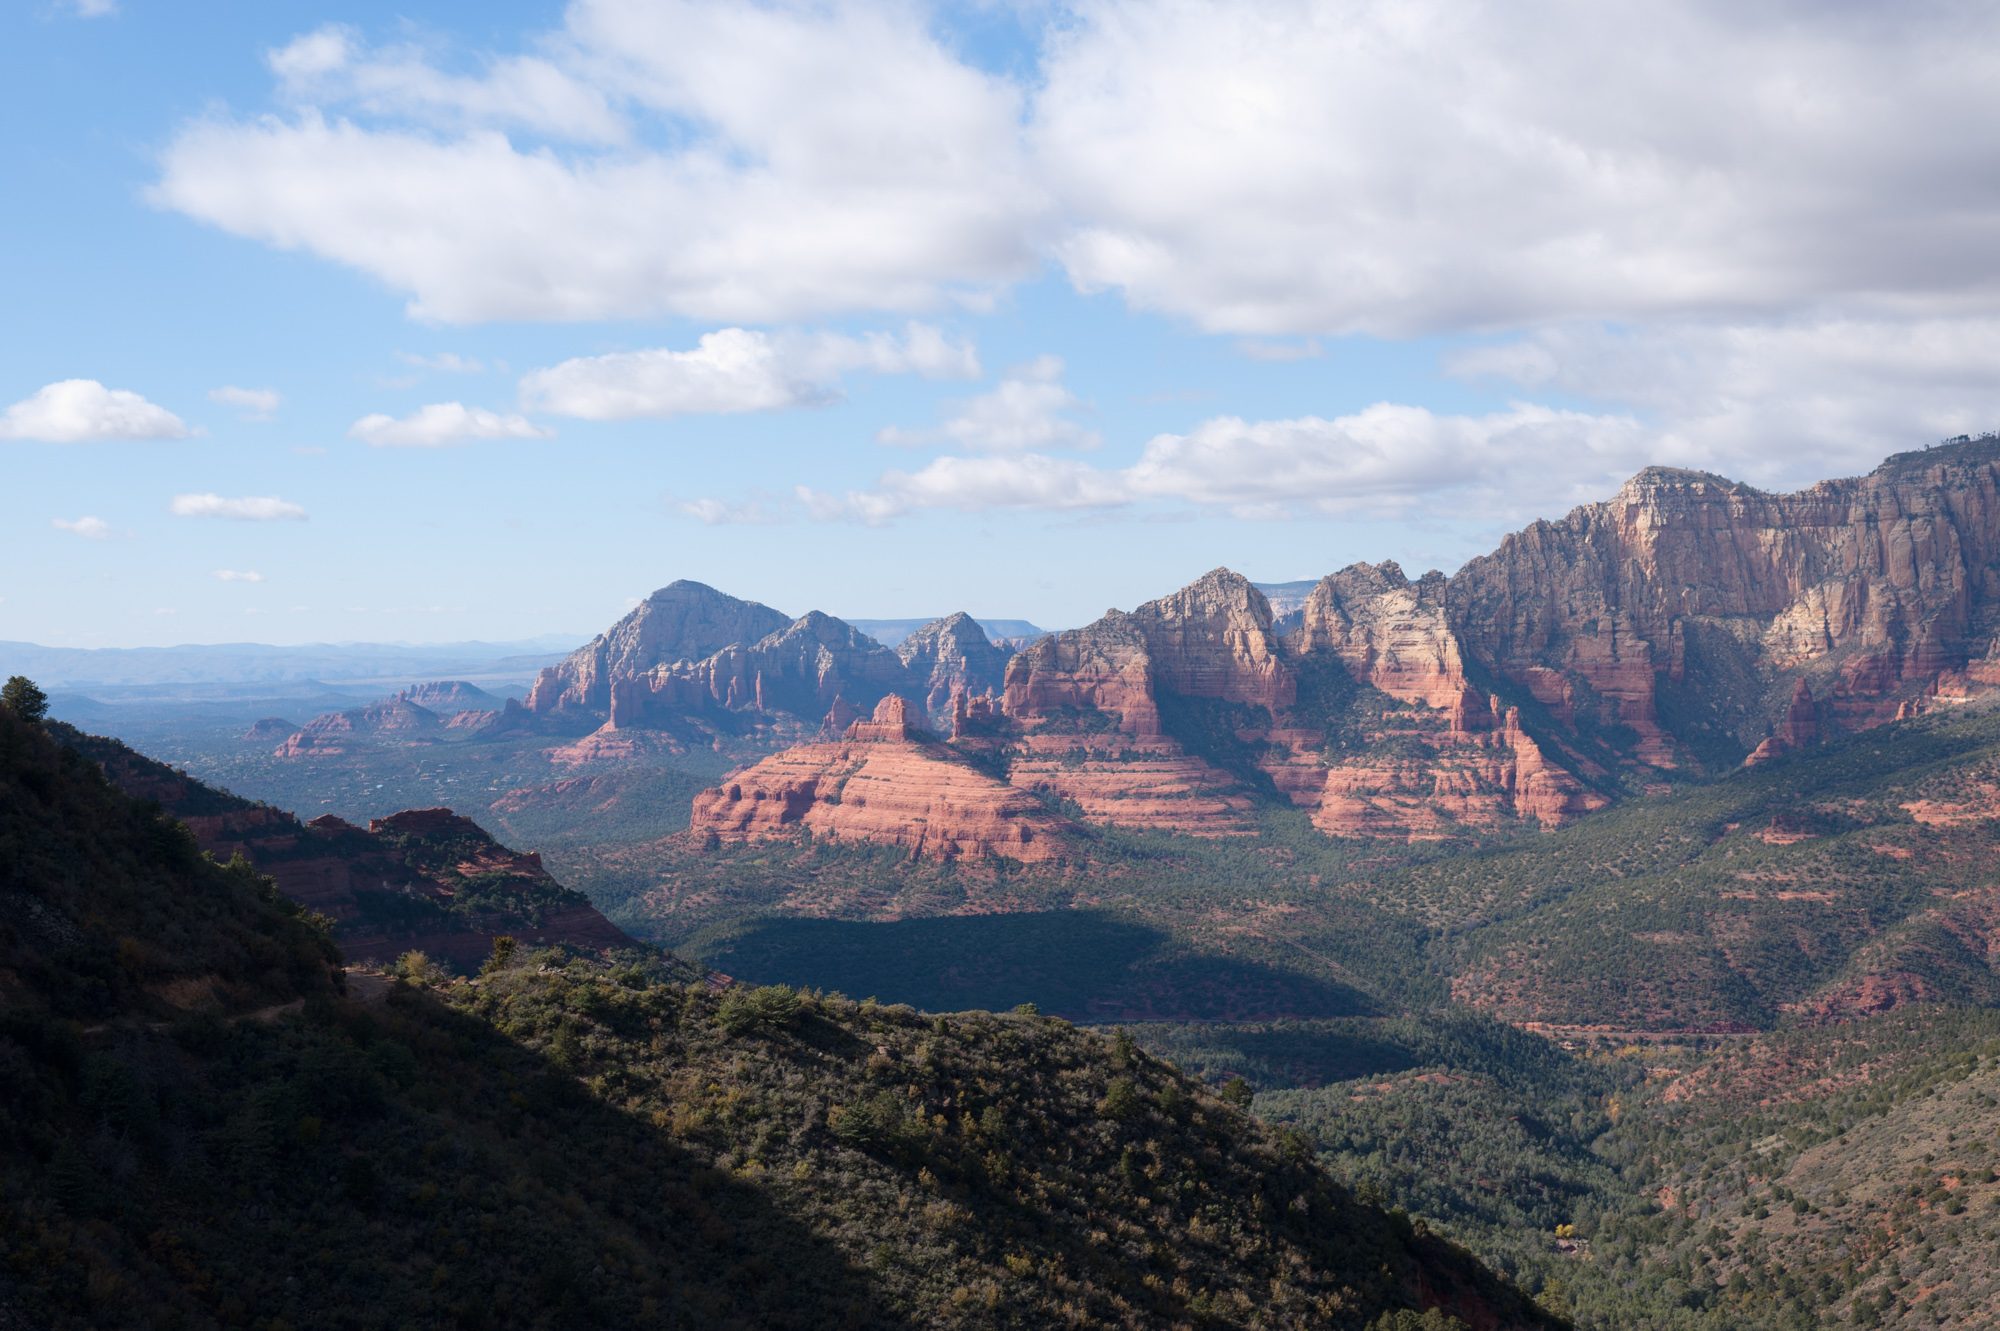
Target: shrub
(762, 1011)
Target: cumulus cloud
(441, 424)
(91, 529)
(799, 160)
(1776, 404)
(255, 404)
(1386, 460)
(238, 575)
(1029, 409)
(77, 411)
(1266, 168)
(333, 66)
(1384, 167)
(252, 508)
(738, 370)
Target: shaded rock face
(952, 656)
(882, 784)
(427, 879)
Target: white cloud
(799, 160)
(94, 8)
(736, 370)
(1774, 404)
(331, 66)
(444, 362)
(1027, 410)
(1259, 168)
(76, 411)
(1390, 167)
(256, 404)
(441, 424)
(238, 575)
(247, 509)
(91, 529)
(1389, 459)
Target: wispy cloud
(255, 404)
(91, 529)
(263, 508)
(237, 575)
(443, 362)
(442, 424)
(1029, 409)
(739, 370)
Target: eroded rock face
(1675, 625)
(1213, 639)
(691, 657)
(1798, 729)
(1364, 716)
(1720, 597)
(882, 784)
(334, 732)
(446, 696)
(1390, 633)
(952, 655)
(684, 621)
(425, 879)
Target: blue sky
(427, 322)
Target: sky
(426, 322)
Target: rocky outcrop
(801, 671)
(335, 732)
(682, 622)
(270, 730)
(427, 879)
(692, 661)
(1689, 587)
(1390, 633)
(1676, 625)
(1214, 639)
(1096, 678)
(952, 656)
(882, 784)
(1131, 717)
(1798, 728)
(446, 696)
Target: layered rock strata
(882, 783)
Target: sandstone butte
(1689, 623)
(883, 782)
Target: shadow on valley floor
(1083, 964)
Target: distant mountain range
(1683, 627)
(259, 663)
